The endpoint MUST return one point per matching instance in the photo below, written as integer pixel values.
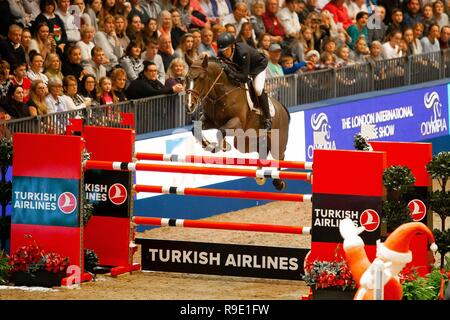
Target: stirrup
(267, 124)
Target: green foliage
(418, 289)
(398, 178)
(442, 239)
(395, 213)
(440, 203)
(439, 168)
(5, 267)
(90, 260)
(88, 210)
(360, 143)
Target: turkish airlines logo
(67, 202)
(117, 193)
(418, 209)
(370, 220)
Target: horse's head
(198, 83)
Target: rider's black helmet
(225, 40)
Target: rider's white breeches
(258, 82)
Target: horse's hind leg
(197, 132)
(278, 154)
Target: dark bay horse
(225, 108)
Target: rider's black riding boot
(264, 104)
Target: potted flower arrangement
(32, 266)
(330, 280)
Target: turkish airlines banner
(108, 191)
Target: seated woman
(35, 70)
(38, 93)
(176, 73)
(15, 107)
(87, 87)
(131, 61)
(70, 86)
(52, 67)
(119, 82)
(105, 95)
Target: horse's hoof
(226, 147)
(212, 147)
(260, 181)
(279, 184)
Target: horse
(226, 109)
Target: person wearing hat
(274, 69)
(242, 62)
(392, 256)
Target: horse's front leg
(233, 123)
(197, 131)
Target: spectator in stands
(361, 50)
(35, 70)
(343, 57)
(247, 35)
(329, 45)
(314, 21)
(18, 10)
(230, 28)
(107, 39)
(414, 46)
(356, 6)
(418, 30)
(413, 14)
(94, 11)
(87, 87)
(73, 65)
(135, 30)
(397, 21)
(192, 13)
(178, 28)
(339, 12)
(289, 20)
(38, 93)
(165, 50)
(271, 22)
(147, 84)
(52, 67)
(378, 32)
(376, 49)
(257, 10)
(274, 69)
(43, 43)
(221, 8)
(25, 42)
(327, 61)
(19, 78)
(5, 81)
(306, 43)
(390, 5)
(8, 18)
(119, 82)
(444, 39)
(71, 28)
(55, 100)
(95, 66)
(391, 48)
(84, 18)
(105, 94)
(430, 43)
(197, 35)
(151, 54)
(208, 9)
(137, 9)
(290, 66)
(237, 17)
(206, 46)
(53, 21)
(312, 59)
(186, 48)
(32, 7)
(165, 23)
(132, 62)
(176, 73)
(152, 7)
(15, 107)
(86, 43)
(355, 31)
(70, 86)
(264, 42)
(216, 29)
(10, 49)
(427, 18)
(120, 27)
(151, 30)
(439, 14)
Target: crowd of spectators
(59, 55)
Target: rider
(248, 62)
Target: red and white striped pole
(239, 194)
(133, 166)
(183, 223)
(224, 160)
